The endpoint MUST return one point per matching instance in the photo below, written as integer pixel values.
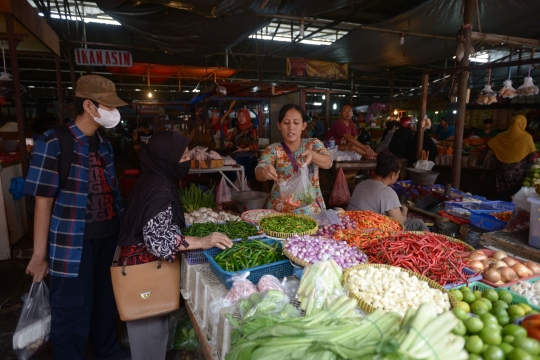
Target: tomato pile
(503, 216)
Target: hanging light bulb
(335, 106)
(150, 94)
(436, 112)
(324, 97)
(402, 39)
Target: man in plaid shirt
(76, 226)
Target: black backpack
(65, 137)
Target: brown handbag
(146, 290)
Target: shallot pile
(329, 230)
(311, 249)
(499, 268)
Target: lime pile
(533, 176)
(490, 335)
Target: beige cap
(99, 89)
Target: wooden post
(59, 88)
(423, 110)
(463, 84)
(327, 115)
(17, 87)
(391, 107)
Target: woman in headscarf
(244, 144)
(511, 148)
(154, 216)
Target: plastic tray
(194, 257)
(449, 205)
(482, 219)
(489, 253)
(516, 299)
(279, 269)
(497, 205)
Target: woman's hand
(238, 149)
(269, 173)
(369, 151)
(307, 157)
(216, 239)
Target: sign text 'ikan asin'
(97, 57)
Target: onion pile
(329, 230)
(500, 268)
(311, 249)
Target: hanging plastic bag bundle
(223, 194)
(528, 88)
(34, 324)
(297, 191)
(340, 193)
(507, 90)
(487, 96)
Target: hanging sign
(96, 57)
(317, 69)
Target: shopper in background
(511, 148)
(445, 131)
(387, 136)
(428, 145)
(280, 161)
(151, 229)
(377, 195)
(401, 143)
(487, 130)
(76, 226)
(244, 144)
(344, 132)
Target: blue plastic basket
(470, 280)
(449, 205)
(483, 220)
(497, 205)
(279, 269)
(195, 257)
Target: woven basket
(206, 164)
(448, 238)
(389, 220)
(301, 262)
(281, 235)
(368, 308)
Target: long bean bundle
(247, 254)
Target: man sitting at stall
(376, 194)
(487, 131)
(344, 133)
(445, 131)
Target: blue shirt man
(444, 130)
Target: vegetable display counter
(221, 170)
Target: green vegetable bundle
(287, 224)
(233, 229)
(248, 254)
(194, 198)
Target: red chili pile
(503, 216)
(366, 219)
(429, 254)
(355, 237)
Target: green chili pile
(287, 224)
(248, 254)
(233, 229)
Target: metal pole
(391, 108)
(423, 110)
(327, 115)
(17, 87)
(463, 82)
(59, 88)
(72, 73)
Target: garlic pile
(530, 291)
(204, 215)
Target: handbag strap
(290, 156)
(127, 257)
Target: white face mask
(108, 119)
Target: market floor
(14, 283)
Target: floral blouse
(162, 239)
(275, 155)
(247, 138)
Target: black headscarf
(156, 189)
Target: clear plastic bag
(320, 285)
(487, 96)
(34, 324)
(270, 282)
(507, 90)
(519, 221)
(223, 194)
(424, 164)
(184, 336)
(269, 302)
(241, 184)
(340, 192)
(297, 191)
(520, 198)
(528, 88)
(241, 287)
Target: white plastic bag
(528, 88)
(520, 198)
(424, 164)
(507, 90)
(223, 193)
(34, 324)
(297, 191)
(487, 96)
(241, 184)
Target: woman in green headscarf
(511, 148)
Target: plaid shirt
(68, 220)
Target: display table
(514, 243)
(221, 170)
(355, 165)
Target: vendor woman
(511, 148)
(280, 161)
(344, 133)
